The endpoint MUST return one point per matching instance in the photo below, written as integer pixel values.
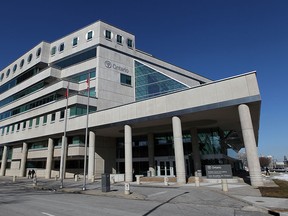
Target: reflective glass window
(125, 79)
(1, 77)
(61, 47)
(129, 43)
(53, 50)
(30, 58)
(119, 39)
(8, 72)
(38, 53)
(151, 83)
(108, 34)
(14, 68)
(44, 119)
(89, 35)
(53, 117)
(37, 121)
(30, 123)
(21, 63)
(75, 41)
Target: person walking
(267, 171)
(29, 174)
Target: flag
(88, 81)
(67, 91)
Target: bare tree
(264, 161)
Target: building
(144, 114)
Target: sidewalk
(210, 193)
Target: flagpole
(64, 141)
(86, 133)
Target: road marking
(47, 214)
(156, 194)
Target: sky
(214, 38)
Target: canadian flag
(88, 82)
(67, 91)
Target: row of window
(74, 111)
(89, 35)
(21, 64)
(119, 38)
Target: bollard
(14, 178)
(34, 181)
(166, 180)
(92, 178)
(112, 180)
(56, 178)
(197, 182)
(224, 185)
(127, 189)
(138, 179)
(76, 178)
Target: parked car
(280, 169)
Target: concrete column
(250, 145)
(4, 161)
(195, 149)
(91, 156)
(151, 154)
(179, 151)
(50, 152)
(23, 160)
(128, 153)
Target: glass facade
(30, 105)
(75, 59)
(19, 79)
(151, 83)
(23, 93)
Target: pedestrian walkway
(239, 195)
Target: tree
(264, 161)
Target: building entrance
(165, 168)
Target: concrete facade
(133, 99)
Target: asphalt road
(17, 200)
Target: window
(119, 39)
(18, 126)
(8, 128)
(61, 47)
(89, 35)
(37, 121)
(13, 127)
(21, 63)
(53, 117)
(125, 79)
(62, 114)
(75, 41)
(2, 76)
(53, 50)
(3, 129)
(108, 34)
(14, 68)
(8, 72)
(29, 58)
(30, 123)
(24, 125)
(38, 53)
(129, 43)
(44, 119)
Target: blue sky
(214, 38)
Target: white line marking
(156, 194)
(47, 214)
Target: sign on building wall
(218, 171)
